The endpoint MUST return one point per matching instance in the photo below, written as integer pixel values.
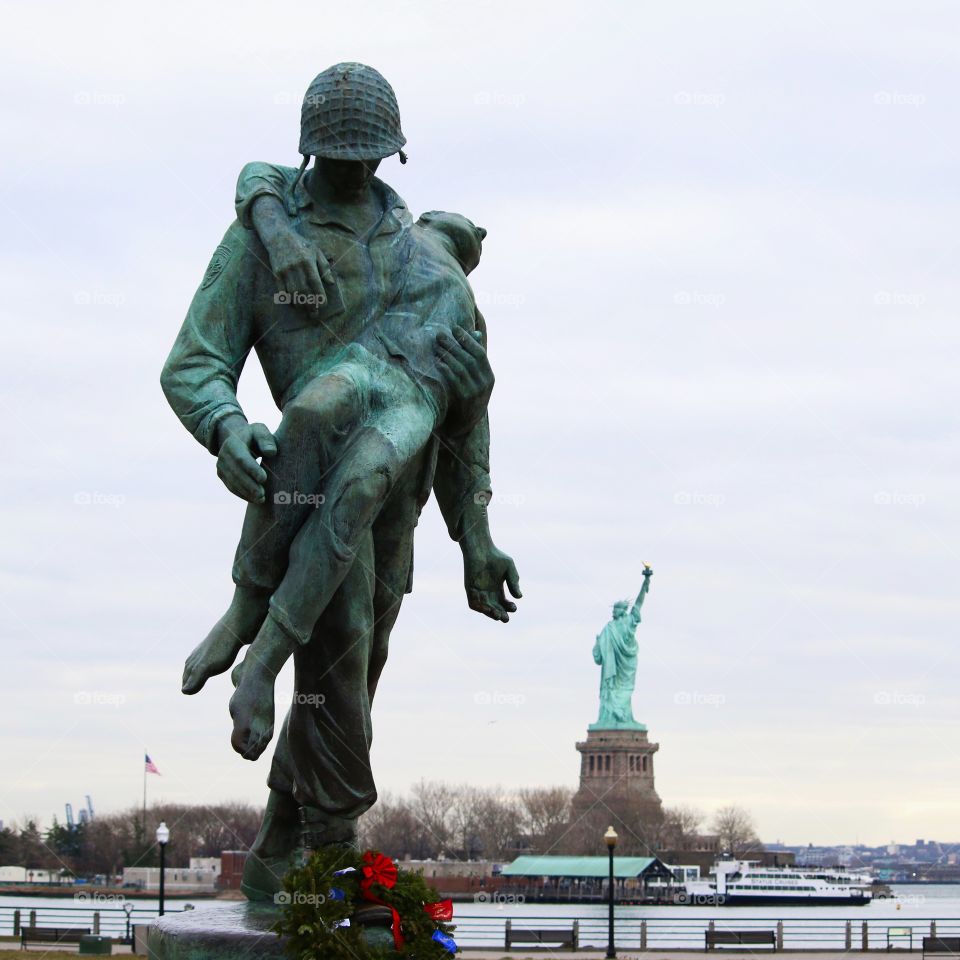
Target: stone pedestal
(220, 933)
(617, 762)
(241, 931)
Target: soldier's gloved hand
(237, 463)
(300, 268)
(469, 376)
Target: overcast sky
(722, 243)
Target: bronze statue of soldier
(375, 352)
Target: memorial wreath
(320, 899)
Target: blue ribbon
(445, 940)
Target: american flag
(150, 767)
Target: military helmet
(350, 112)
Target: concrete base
(240, 930)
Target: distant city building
(202, 875)
(702, 843)
(432, 869)
(922, 861)
(231, 868)
(28, 875)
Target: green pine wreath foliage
(311, 915)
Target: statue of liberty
(616, 652)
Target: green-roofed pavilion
(624, 868)
(582, 879)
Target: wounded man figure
(383, 398)
(350, 433)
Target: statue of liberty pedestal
(616, 652)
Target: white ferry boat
(739, 883)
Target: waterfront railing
(632, 933)
(105, 921)
(688, 933)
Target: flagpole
(144, 791)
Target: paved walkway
(483, 953)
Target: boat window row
(768, 887)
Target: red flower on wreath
(377, 868)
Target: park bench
(897, 935)
(739, 938)
(51, 935)
(548, 936)
(942, 946)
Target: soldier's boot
(319, 829)
(276, 851)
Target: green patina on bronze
(616, 652)
(373, 347)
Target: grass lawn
(52, 955)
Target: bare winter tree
(390, 826)
(434, 819)
(680, 825)
(545, 815)
(498, 824)
(113, 841)
(464, 823)
(432, 804)
(735, 828)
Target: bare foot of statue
(237, 627)
(251, 705)
(236, 674)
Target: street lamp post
(128, 909)
(610, 838)
(163, 837)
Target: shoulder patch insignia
(217, 262)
